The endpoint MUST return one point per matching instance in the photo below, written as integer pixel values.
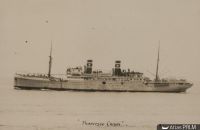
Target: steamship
(86, 79)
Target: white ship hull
(98, 85)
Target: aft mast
(157, 67)
(50, 61)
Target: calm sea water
(69, 110)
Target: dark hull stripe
(92, 90)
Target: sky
(102, 30)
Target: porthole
(104, 82)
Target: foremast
(50, 62)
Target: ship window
(103, 82)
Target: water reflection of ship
(87, 79)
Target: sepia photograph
(99, 64)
